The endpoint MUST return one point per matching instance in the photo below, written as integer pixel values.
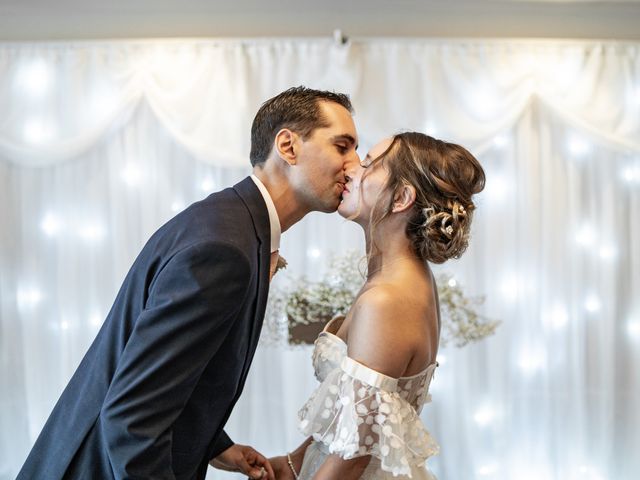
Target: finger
(246, 468)
(270, 473)
(257, 474)
(261, 460)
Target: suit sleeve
(222, 443)
(191, 307)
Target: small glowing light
(431, 129)
(177, 206)
(36, 131)
(131, 174)
(607, 252)
(64, 325)
(586, 236)
(633, 329)
(484, 416)
(558, 317)
(531, 360)
(91, 232)
(586, 472)
(483, 102)
(441, 359)
(635, 96)
(592, 304)
(207, 185)
(524, 469)
(103, 101)
(28, 297)
(631, 174)
(35, 77)
(529, 475)
(496, 187)
(488, 469)
(50, 225)
(452, 282)
(95, 319)
(500, 141)
(511, 287)
(578, 147)
(314, 252)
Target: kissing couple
(153, 393)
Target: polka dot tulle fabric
(357, 411)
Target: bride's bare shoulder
(387, 302)
(377, 334)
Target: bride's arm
(335, 467)
(377, 340)
(281, 464)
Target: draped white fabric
(100, 143)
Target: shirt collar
(274, 221)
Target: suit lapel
(252, 198)
(248, 191)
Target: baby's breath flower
(305, 303)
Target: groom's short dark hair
(297, 109)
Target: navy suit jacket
(155, 389)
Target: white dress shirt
(274, 221)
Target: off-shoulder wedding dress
(358, 411)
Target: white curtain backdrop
(102, 142)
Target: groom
(153, 393)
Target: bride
(412, 195)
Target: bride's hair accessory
(445, 177)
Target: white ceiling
(99, 19)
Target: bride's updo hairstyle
(445, 177)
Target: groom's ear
(286, 145)
(404, 198)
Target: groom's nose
(351, 163)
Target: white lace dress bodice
(358, 411)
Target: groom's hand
(244, 459)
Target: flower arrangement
(295, 315)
